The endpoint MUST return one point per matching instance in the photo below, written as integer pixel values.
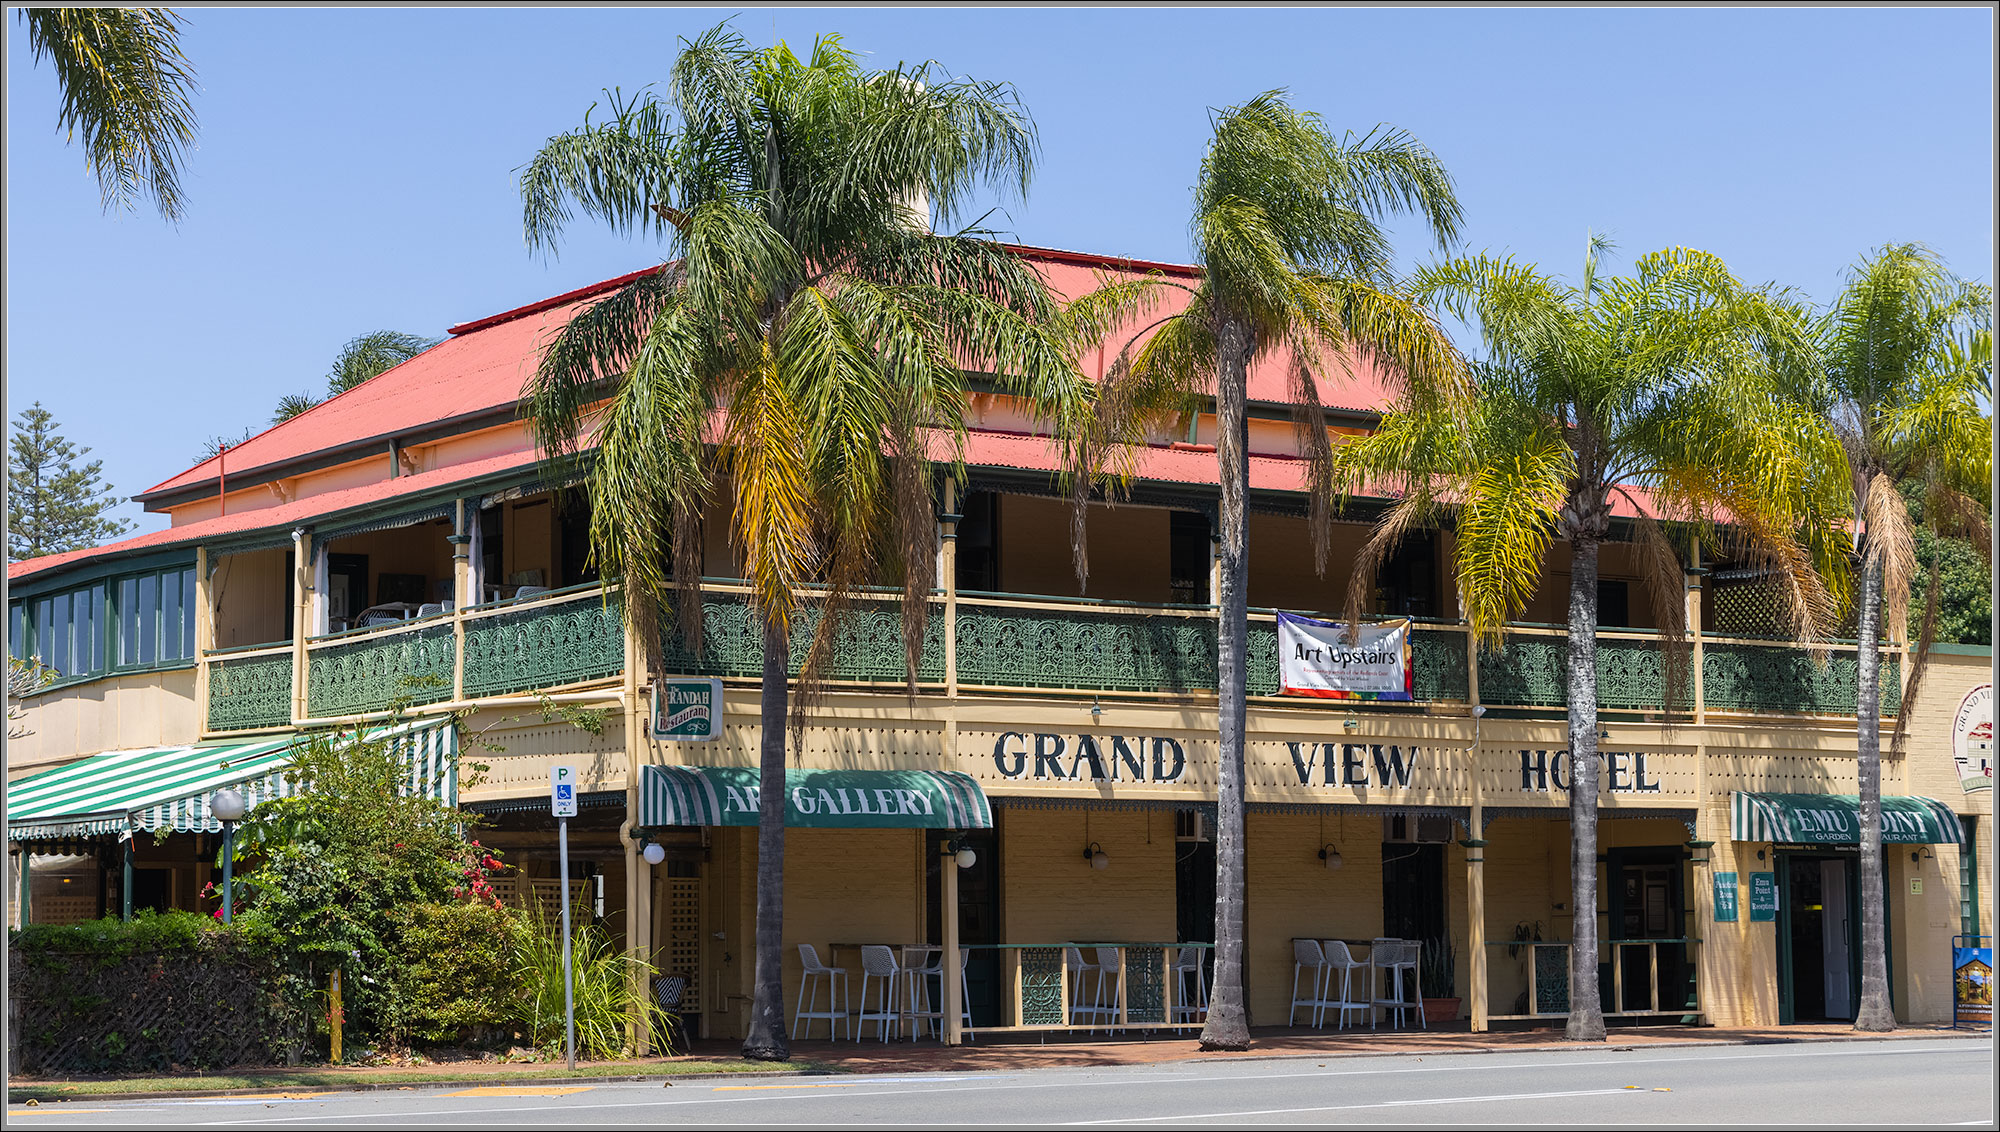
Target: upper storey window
(134, 621)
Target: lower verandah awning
(814, 799)
(1835, 819)
(166, 789)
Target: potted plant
(1438, 975)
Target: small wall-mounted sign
(1725, 898)
(1916, 886)
(1763, 897)
(687, 709)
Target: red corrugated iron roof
(286, 514)
(481, 368)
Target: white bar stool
(1393, 957)
(879, 962)
(1187, 962)
(1307, 956)
(920, 966)
(1339, 958)
(836, 996)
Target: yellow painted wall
(252, 594)
(1050, 894)
(117, 713)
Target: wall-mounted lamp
(1096, 709)
(654, 852)
(1330, 857)
(1095, 854)
(1604, 733)
(960, 852)
(1478, 711)
(1351, 724)
(1919, 854)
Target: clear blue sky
(356, 169)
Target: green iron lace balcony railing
(546, 644)
(868, 649)
(250, 691)
(1738, 676)
(367, 670)
(1532, 670)
(1085, 648)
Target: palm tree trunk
(1586, 1014)
(766, 1039)
(1873, 1013)
(1228, 1025)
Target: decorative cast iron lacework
(252, 692)
(545, 646)
(1783, 678)
(1534, 672)
(1042, 986)
(1146, 984)
(370, 672)
(868, 648)
(1551, 978)
(1085, 648)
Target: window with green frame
(135, 621)
(1968, 877)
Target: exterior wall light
(228, 807)
(1095, 854)
(654, 852)
(1330, 857)
(966, 858)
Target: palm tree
(1909, 356)
(1293, 263)
(1659, 392)
(125, 85)
(806, 300)
(365, 356)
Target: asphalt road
(1828, 1086)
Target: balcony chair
(879, 962)
(433, 608)
(530, 591)
(1393, 957)
(836, 996)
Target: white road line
(1093, 1081)
(1353, 1107)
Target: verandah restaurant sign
(1321, 658)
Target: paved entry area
(1829, 1085)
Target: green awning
(814, 799)
(166, 789)
(1835, 819)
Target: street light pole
(228, 805)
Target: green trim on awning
(166, 789)
(814, 799)
(1835, 819)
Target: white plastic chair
(530, 591)
(1109, 965)
(1340, 959)
(431, 609)
(964, 993)
(1307, 956)
(920, 966)
(837, 1003)
(1393, 957)
(1187, 962)
(879, 962)
(1083, 1004)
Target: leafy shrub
(604, 981)
(451, 976)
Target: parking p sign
(562, 791)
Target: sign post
(562, 804)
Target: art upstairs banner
(1320, 658)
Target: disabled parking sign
(562, 791)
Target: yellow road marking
(57, 1109)
(522, 1091)
(283, 1096)
(827, 1085)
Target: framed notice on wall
(1725, 898)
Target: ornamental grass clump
(604, 983)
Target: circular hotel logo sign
(1972, 739)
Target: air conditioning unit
(1416, 829)
(1190, 825)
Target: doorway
(1647, 893)
(978, 915)
(1819, 936)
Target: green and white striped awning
(814, 799)
(1835, 819)
(166, 789)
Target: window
(1968, 877)
(1406, 585)
(1188, 557)
(1614, 603)
(143, 619)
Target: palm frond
(125, 87)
